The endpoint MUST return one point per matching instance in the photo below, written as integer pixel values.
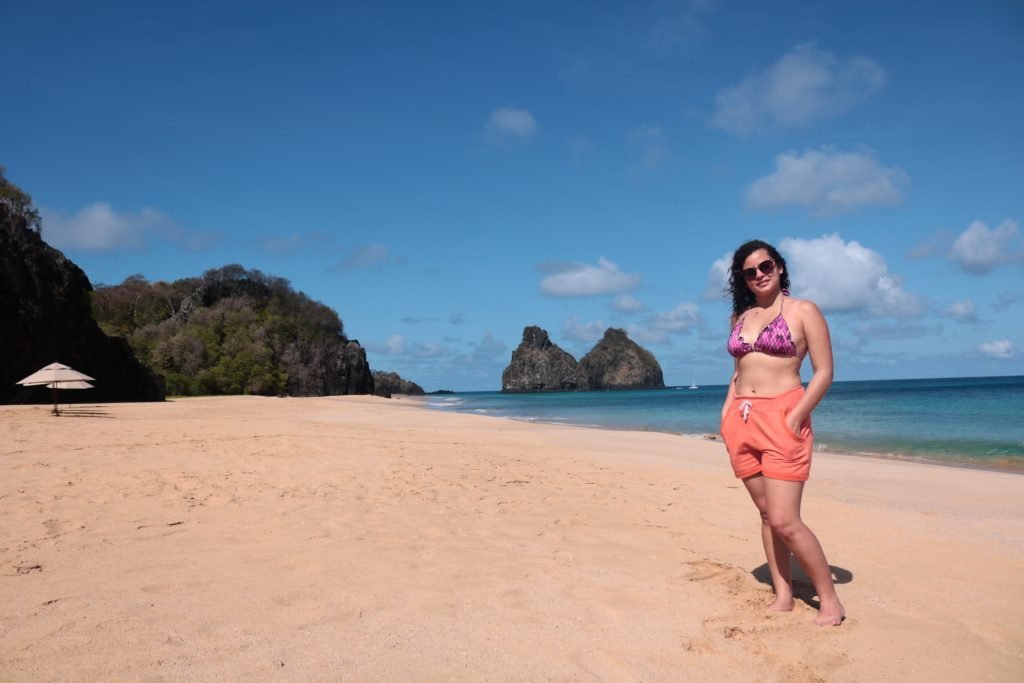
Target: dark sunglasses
(767, 267)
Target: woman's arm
(819, 347)
(731, 393)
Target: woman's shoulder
(793, 302)
(802, 307)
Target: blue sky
(445, 174)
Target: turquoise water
(965, 421)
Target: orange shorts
(760, 442)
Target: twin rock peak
(615, 362)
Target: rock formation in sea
(618, 362)
(615, 362)
(46, 317)
(540, 365)
(388, 383)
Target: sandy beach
(364, 539)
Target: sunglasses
(767, 267)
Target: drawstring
(745, 409)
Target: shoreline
(1016, 468)
(354, 537)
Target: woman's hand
(794, 422)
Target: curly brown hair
(742, 297)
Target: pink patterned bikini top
(774, 339)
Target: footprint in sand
(564, 556)
(732, 579)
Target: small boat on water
(693, 386)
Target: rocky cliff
(539, 365)
(617, 362)
(388, 383)
(45, 316)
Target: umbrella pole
(56, 411)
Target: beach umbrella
(74, 384)
(55, 376)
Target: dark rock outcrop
(350, 372)
(388, 383)
(327, 368)
(615, 362)
(46, 317)
(539, 365)
(618, 362)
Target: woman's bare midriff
(759, 374)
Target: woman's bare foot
(830, 614)
(782, 604)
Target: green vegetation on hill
(18, 201)
(233, 331)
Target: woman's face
(761, 283)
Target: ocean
(963, 421)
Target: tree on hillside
(229, 331)
(19, 201)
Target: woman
(766, 419)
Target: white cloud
(963, 311)
(827, 181)
(648, 146)
(365, 256)
(643, 334)
(804, 85)
(1001, 349)
(507, 124)
(680, 319)
(398, 346)
(429, 350)
(658, 328)
(582, 279)
(577, 330)
(98, 227)
(395, 344)
(979, 249)
(626, 303)
(844, 276)
(718, 277)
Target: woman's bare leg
(775, 550)
(782, 502)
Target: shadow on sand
(803, 590)
(83, 411)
